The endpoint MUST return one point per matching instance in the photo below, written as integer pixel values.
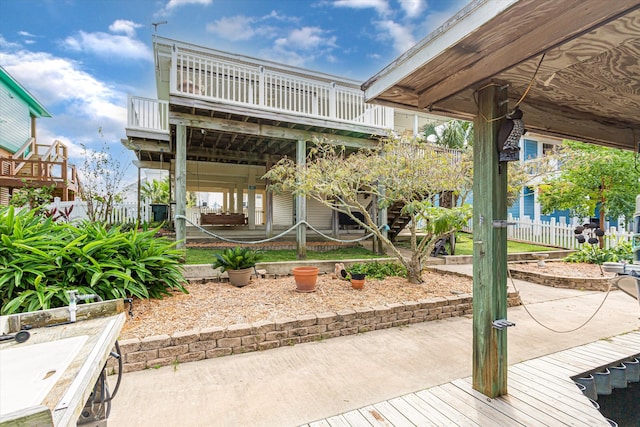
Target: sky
(81, 58)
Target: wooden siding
(541, 393)
(283, 210)
(15, 126)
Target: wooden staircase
(396, 221)
(35, 165)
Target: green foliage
(378, 270)
(41, 259)
(398, 171)
(592, 254)
(592, 176)
(33, 196)
(452, 134)
(156, 191)
(236, 259)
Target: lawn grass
(464, 246)
(205, 255)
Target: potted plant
(356, 274)
(305, 278)
(238, 262)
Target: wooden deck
(541, 393)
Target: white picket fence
(553, 233)
(121, 212)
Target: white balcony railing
(148, 114)
(223, 80)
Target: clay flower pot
(306, 278)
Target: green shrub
(592, 254)
(236, 258)
(378, 270)
(41, 259)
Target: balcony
(257, 87)
(38, 165)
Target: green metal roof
(35, 107)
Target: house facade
(221, 120)
(25, 161)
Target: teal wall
(15, 120)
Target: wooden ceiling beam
(541, 32)
(267, 131)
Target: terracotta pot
(357, 283)
(240, 278)
(306, 278)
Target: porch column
(301, 204)
(239, 191)
(251, 200)
(181, 185)
(489, 246)
(231, 203)
(268, 205)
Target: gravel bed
(222, 304)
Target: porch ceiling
(587, 86)
(228, 134)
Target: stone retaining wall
(584, 283)
(181, 347)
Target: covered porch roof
(574, 64)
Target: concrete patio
(307, 382)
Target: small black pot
(357, 276)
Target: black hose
(120, 363)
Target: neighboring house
(533, 146)
(221, 120)
(23, 159)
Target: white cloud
(124, 26)
(400, 34)
(177, 3)
(412, 8)
(234, 28)
(381, 6)
(25, 34)
(108, 45)
(5, 44)
(59, 81)
(306, 38)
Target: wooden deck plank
(597, 353)
(374, 417)
(355, 419)
(544, 379)
(338, 421)
(595, 359)
(630, 340)
(609, 348)
(319, 423)
(552, 367)
(474, 409)
(556, 405)
(542, 417)
(573, 396)
(427, 410)
(395, 417)
(519, 416)
(459, 418)
(578, 365)
(414, 415)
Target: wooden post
(268, 205)
(301, 204)
(489, 247)
(181, 185)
